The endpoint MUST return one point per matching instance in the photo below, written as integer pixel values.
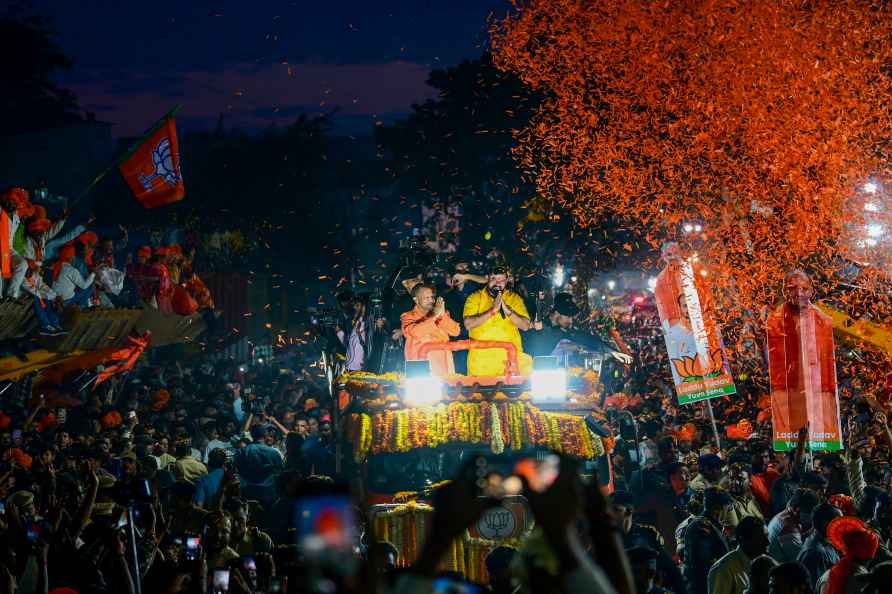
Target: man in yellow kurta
(496, 313)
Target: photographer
(353, 329)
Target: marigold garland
(404, 527)
(498, 444)
(500, 425)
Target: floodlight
(875, 230)
(421, 388)
(548, 382)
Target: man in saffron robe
(802, 368)
(429, 321)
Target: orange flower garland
(501, 425)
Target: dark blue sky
(261, 61)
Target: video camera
(324, 317)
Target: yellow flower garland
(463, 422)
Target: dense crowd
(185, 475)
(57, 266)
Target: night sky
(261, 61)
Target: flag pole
(715, 429)
(123, 156)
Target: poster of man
(802, 369)
(693, 341)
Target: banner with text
(699, 365)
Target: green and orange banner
(700, 368)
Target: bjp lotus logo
(164, 166)
(691, 368)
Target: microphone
(495, 292)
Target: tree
(457, 148)
(758, 119)
(29, 57)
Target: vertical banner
(699, 366)
(802, 369)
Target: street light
(611, 284)
(688, 228)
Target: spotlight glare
(423, 391)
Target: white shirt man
(70, 279)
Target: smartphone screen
(123, 519)
(193, 543)
(2, 508)
(221, 581)
(17, 434)
(32, 532)
(326, 530)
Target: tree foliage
(457, 147)
(29, 57)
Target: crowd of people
(184, 475)
(56, 266)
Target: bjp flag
(152, 169)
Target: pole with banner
(698, 362)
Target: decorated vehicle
(408, 432)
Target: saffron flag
(125, 357)
(802, 369)
(699, 366)
(152, 169)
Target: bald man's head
(798, 289)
